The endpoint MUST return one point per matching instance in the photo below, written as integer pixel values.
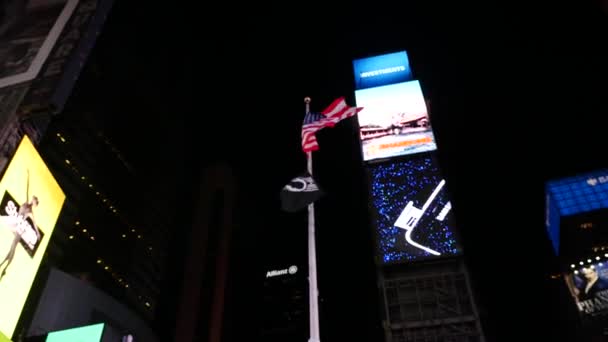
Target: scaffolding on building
(430, 304)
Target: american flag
(313, 122)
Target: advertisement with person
(29, 30)
(589, 289)
(30, 203)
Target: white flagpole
(313, 293)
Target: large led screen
(30, 203)
(395, 121)
(382, 70)
(411, 211)
(89, 333)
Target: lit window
(77, 222)
(99, 261)
(67, 161)
(124, 235)
(92, 238)
(71, 237)
(84, 230)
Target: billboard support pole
(313, 293)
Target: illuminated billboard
(576, 212)
(28, 33)
(30, 203)
(89, 333)
(382, 70)
(588, 286)
(395, 121)
(411, 211)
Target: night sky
(518, 96)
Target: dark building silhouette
(284, 304)
(205, 283)
(114, 229)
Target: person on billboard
(26, 210)
(592, 284)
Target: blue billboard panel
(411, 211)
(572, 199)
(394, 122)
(382, 70)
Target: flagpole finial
(307, 101)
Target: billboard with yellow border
(30, 203)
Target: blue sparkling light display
(395, 184)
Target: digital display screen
(30, 203)
(382, 70)
(588, 286)
(411, 211)
(89, 333)
(395, 121)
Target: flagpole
(313, 293)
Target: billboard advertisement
(395, 121)
(28, 32)
(411, 211)
(588, 285)
(30, 203)
(89, 333)
(382, 70)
